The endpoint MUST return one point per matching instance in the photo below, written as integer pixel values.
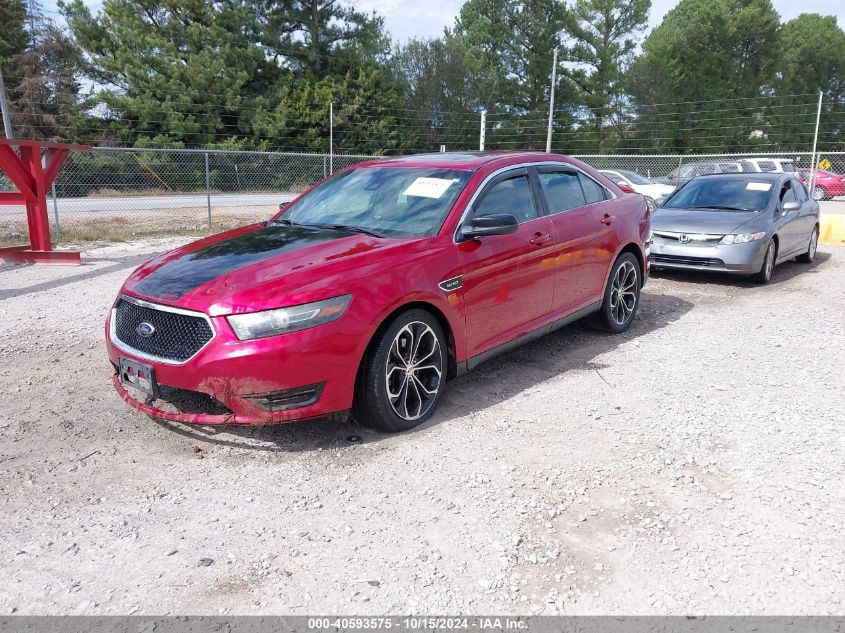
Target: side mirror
(789, 207)
(492, 224)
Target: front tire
(768, 267)
(403, 374)
(810, 255)
(621, 296)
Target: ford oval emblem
(145, 329)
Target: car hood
(655, 190)
(700, 220)
(252, 268)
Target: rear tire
(810, 255)
(768, 267)
(819, 194)
(403, 374)
(621, 296)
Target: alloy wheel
(623, 293)
(414, 370)
(814, 244)
(818, 194)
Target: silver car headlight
(741, 238)
(285, 320)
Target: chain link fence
(673, 169)
(120, 193)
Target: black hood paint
(178, 277)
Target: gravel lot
(692, 465)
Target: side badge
(448, 285)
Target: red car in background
(372, 288)
(828, 185)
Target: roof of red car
(469, 161)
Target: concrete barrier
(832, 229)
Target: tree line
(713, 76)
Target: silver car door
(809, 212)
(791, 231)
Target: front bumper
(744, 259)
(240, 375)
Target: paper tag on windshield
(428, 187)
(758, 186)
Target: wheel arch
(633, 248)
(434, 311)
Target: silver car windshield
(724, 194)
(387, 201)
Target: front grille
(707, 262)
(175, 337)
(691, 238)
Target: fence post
(331, 137)
(208, 189)
(551, 104)
(815, 162)
(483, 132)
(325, 166)
(56, 210)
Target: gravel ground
(692, 465)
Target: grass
(13, 233)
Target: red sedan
(374, 287)
(828, 185)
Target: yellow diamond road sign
(824, 164)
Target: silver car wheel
(623, 293)
(413, 371)
(814, 244)
(819, 193)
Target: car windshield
(727, 194)
(636, 178)
(388, 201)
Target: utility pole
(551, 104)
(483, 133)
(4, 106)
(814, 166)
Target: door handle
(539, 239)
(608, 219)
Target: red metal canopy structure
(32, 169)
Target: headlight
(291, 319)
(742, 238)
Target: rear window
(788, 166)
(728, 194)
(593, 191)
(729, 168)
(767, 165)
(562, 190)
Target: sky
(426, 18)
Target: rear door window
(562, 190)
